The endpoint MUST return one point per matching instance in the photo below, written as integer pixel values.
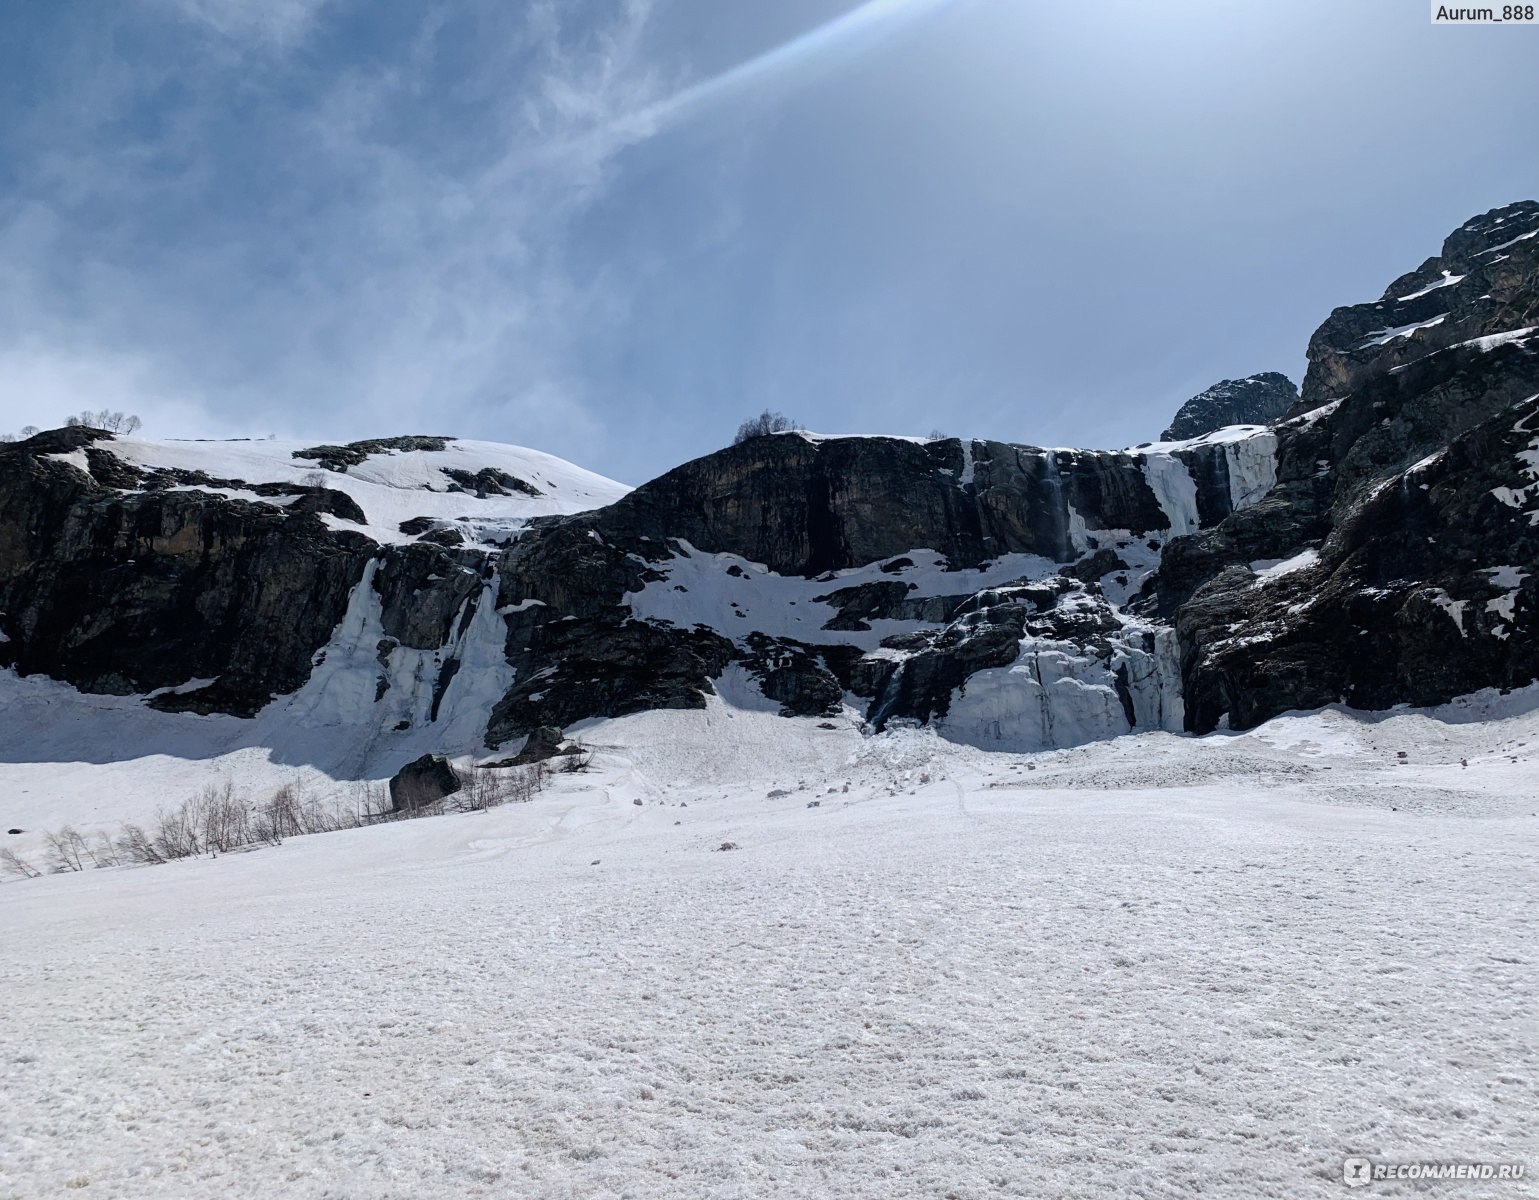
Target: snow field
(392, 486)
(1156, 966)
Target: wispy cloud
(349, 257)
(276, 22)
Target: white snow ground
(1156, 966)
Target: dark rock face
(132, 592)
(1255, 400)
(340, 458)
(422, 782)
(804, 680)
(578, 669)
(489, 481)
(804, 507)
(130, 586)
(1481, 284)
(1403, 505)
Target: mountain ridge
(433, 591)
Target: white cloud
(280, 23)
(425, 280)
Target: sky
(613, 229)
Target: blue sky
(611, 229)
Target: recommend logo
(1359, 1172)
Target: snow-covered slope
(1159, 966)
(392, 486)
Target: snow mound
(392, 486)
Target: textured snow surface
(394, 486)
(1154, 967)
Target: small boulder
(422, 782)
(545, 742)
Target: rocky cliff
(1395, 559)
(1254, 400)
(1376, 546)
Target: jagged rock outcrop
(1481, 285)
(1254, 400)
(352, 454)
(1395, 560)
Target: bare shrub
(278, 817)
(66, 849)
(531, 781)
(13, 864)
(482, 791)
(577, 760)
(489, 787)
(177, 830)
(218, 820)
(765, 423)
(225, 820)
(138, 847)
(104, 852)
(292, 812)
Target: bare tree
(66, 849)
(765, 423)
(225, 818)
(104, 852)
(13, 864)
(137, 846)
(112, 422)
(177, 830)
